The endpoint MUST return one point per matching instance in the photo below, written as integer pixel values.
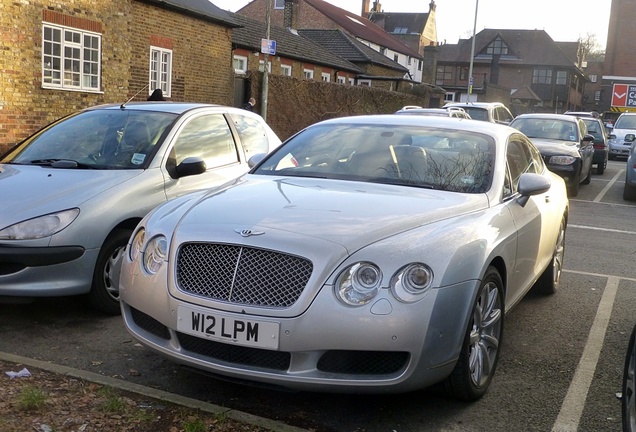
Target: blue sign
(268, 46)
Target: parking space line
(601, 229)
(607, 187)
(574, 402)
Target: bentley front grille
(242, 275)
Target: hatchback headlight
(39, 227)
(137, 245)
(359, 284)
(411, 282)
(155, 254)
(562, 160)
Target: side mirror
(256, 159)
(531, 184)
(588, 138)
(190, 166)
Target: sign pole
(265, 89)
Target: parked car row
(290, 263)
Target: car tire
(104, 293)
(600, 168)
(548, 282)
(628, 396)
(479, 355)
(629, 193)
(573, 189)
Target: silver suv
(494, 112)
(622, 136)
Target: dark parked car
(596, 128)
(564, 144)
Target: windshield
(626, 122)
(477, 113)
(99, 139)
(547, 128)
(445, 159)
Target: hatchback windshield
(626, 122)
(451, 160)
(100, 139)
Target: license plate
(228, 328)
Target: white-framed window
(365, 83)
(71, 58)
(449, 97)
(341, 80)
(561, 77)
(597, 95)
(279, 4)
(261, 66)
(352, 81)
(593, 78)
(160, 70)
(240, 64)
(285, 70)
(325, 77)
(308, 73)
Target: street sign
(268, 46)
(624, 95)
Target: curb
(152, 393)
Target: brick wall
(202, 60)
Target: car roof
(476, 126)
(435, 111)
(582, 114)
(172, 107)
(474, 104)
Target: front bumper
(45, 271)
(568, 172)
(386, 346)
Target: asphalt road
(560, 367)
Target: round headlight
(359, 284)
(155, 254)
(137, 245)
(411, 282)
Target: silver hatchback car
(73, 192)
(622, 136)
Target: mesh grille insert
(241, 275)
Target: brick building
(60, 57)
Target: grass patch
(113, 403)
(31, 398)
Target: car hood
(352, 214)
(31, 190)
(549, 147)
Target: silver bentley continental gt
(365, 254)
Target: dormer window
(497, 47)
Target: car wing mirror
(190, 166)
(531, 184)
(588, 137)
(256, 159)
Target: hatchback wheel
(628, 398)
(104, 293)
(477, 361)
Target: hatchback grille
(242, 275)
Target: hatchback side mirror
(190, 166)
(588, 138)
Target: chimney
(290, 14)
(377, 7)
(365, 8)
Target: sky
(563, 20)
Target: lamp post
(472, 53)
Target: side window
(503, 116)
(519, 161)
(209, 138)
(252, 133)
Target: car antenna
(133, 96)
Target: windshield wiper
(62, 163)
